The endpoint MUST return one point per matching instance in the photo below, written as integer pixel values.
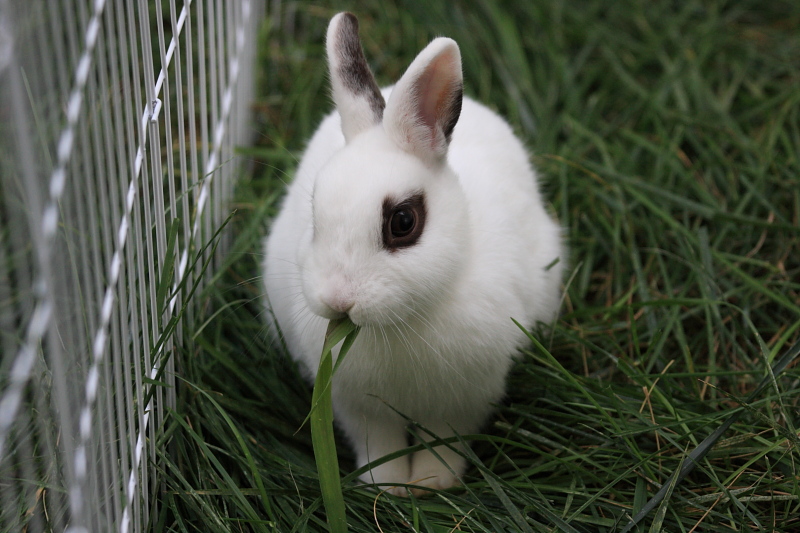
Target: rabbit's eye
(403, 222)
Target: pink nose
(338, 303)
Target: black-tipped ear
(425, 105)
(355, 92)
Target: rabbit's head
(390, 229)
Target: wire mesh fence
(118, 124)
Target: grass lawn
(667, 136)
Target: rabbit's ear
(355, 93)
(425, 104)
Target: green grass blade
(165, 279)
(343, 331)
(658, 521)
(322, 423)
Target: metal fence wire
(118, 124)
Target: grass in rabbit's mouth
(321, 415)
(667, 139)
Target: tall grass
(667, 136)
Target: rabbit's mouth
(330, 308)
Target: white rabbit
(418, 215)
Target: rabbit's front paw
(394, 471)
(428, 470)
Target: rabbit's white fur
(437, 335)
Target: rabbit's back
(514, 238)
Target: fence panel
(118, 122)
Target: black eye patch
(403, 222)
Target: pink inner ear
(433, 92)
